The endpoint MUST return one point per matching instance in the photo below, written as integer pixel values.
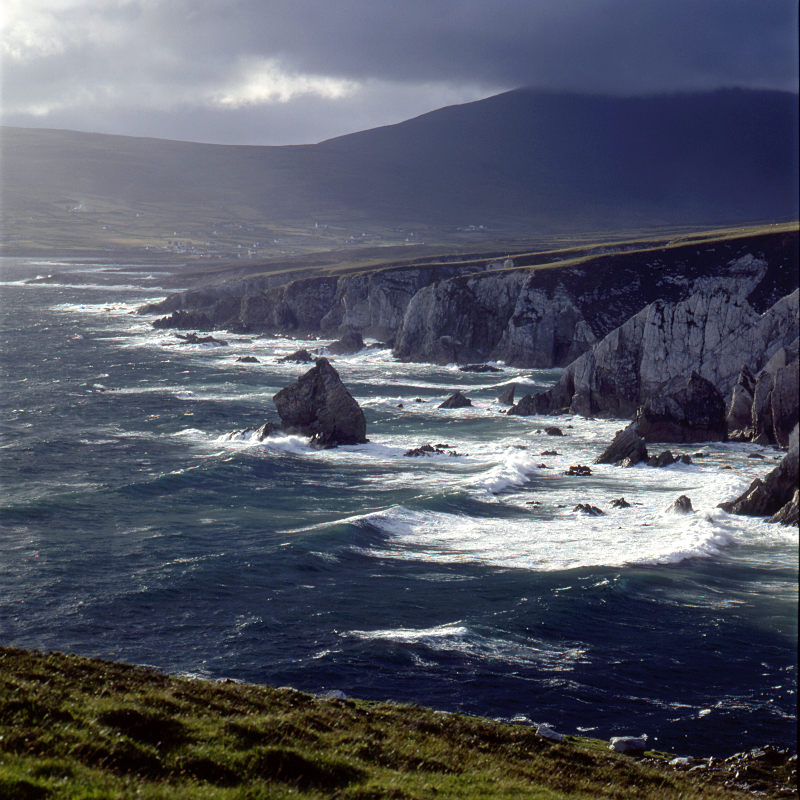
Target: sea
(141, 524)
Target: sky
(300, 71)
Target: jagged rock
(248, 360)
(298, 357)
(182, 319)
(318, 405)
(663, 459)
(267, 429)
(683, 411)
(431, 450)
(627, 446)
(196, 338)
(479, 368)
(351, 342)
(769, 496)
(507, 396)
(456, 400)
(784, 400)
(711, 333)
(579, 470)
(549, 453)
(790, 513)
(628, 744)
(620, 502)
(739, 412)
(592, 511)
(553, 431)
(524, 407)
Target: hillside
(520, 162)
(75, 727)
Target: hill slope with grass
(74, 727)
(522, 161)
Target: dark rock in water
(351, 342)
(592, 511)
(479, 368)
(431, 450)
(298, 357)
(755, 455)
(770, 496)
(267, 429)
(196, 338)
(578, 469)
(663, 459)
(620, 502)
(627, 444)
(248, 360)
(524, 407)
(507, 397)
(553, 431)
(549, 453)
(683, 411)
(682, 505)
(185, 319)
(456, 400)
(418, 400)
(318, 405)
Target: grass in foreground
(72, 727)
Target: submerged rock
(318, 405)
(592, 511)
(479, 368)
(456, 400)
(196, 338)
(553, 431)
(620, 502)
(663, 459)
(626, 446)
(579, 470)
(248, 360)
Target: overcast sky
(297, 71)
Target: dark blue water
(132, 529)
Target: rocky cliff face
(711, 332)
(528, 312)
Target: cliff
(531, 310)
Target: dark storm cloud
(302, 70)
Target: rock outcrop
(710, 333)
(683, 411)
(776, 493)
(318, 405)
(351, 342)
(506, 397)
(627, 447)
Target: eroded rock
(456, 400)
(627, 446)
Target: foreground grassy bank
(72, 727)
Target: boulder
(553, 431)
(351, 342)
(298, 357)
(507, 396)
(620, 502)
(318, 405)
(248, 360)
(628, 744)
(627, 444)
(683, 411)
(770, 496)
(456, 400)
(682, 505)
(546, 732)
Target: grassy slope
(72, 727)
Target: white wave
(514, 470)
(414, 635)
(282, 442)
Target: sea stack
(318, 405)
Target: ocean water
(138, 525)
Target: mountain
(520, 161)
